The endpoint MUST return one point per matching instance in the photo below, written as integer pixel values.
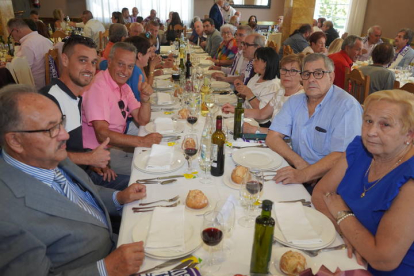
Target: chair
(10, 68)
(396, 85)
(178, 29)
(408, 87)
(357, 84)
(103, 40)
(127, 25)
(22, 71)
(272, 45)
(51, 65)
(58, 36)
(287, 50)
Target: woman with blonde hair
(335, 46)
(369, 192)
(60, 24)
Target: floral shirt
(227, 50)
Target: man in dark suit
(53, 219)
(216, 13)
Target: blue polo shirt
(334, 124)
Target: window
(335, 11)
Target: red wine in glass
(254, 187)
(212, 236)
(190, 151)
(192, 119)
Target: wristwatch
(342, 214)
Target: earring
(407, 143)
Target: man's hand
(218, 76)
(203, 44)
(125, 260)
(145, 89)
(168, 64)
(150, 139)
(106, 173)
(227, 108)
(131, 193)
(289, 175)
(154, 62)
(100, 156)
(213, 67)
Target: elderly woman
(228, 48)
(369, 193)
(290, 68)
(60, 24)
(262, 87)
(317, 42)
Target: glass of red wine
(250, 193)
(190, 148)
(192, 118)
(211, 234)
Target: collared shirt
(341, 61)
(368, 47)
(333, 125)
(34, 47)
(297, 42)
(47, 176)
(92, 29)
(213, 42)
(101, 103)
(239, 65)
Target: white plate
(141, 160)
(168, 71)
(163, 85)
(201, 54)
(228, 182)
(277, 253)
(257, 158)
(178, 128)
(322, 226)
(191, 236)
(216, 85)
(209, 72)
(206, 62)
(222, 99)
(199, 51)
(209, 207)
(229, 123)
(163, 77)
(154, 100)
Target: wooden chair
(272, 45)
(58, 36)
(103, 40)
(51, 65)
(127, 25)
(287, 50)
(396, 85)
(357, 84)
(178, 29)
(22, 71)
(408, 87)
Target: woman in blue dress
(369, 194)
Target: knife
(160, 178)
(167, 263)
(183, 265)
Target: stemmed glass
(190, 148)
(205, 160)
(210, 101)
(192, 118)
(227, 209)
(211, 234)
(249, 194)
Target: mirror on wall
(257, 4)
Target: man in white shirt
(33, 47)
(369, 42)
(228, 12)
(91, 27)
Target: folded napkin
(240, 143)
(164, 125)
(160, 158)
(163, 98)
(294, 224)
(167, 229)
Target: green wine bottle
(238, 119)
(263, 239)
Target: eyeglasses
(53, 131)
(292, 72)
(226, 33)
(8, 38)
(316, 74)
(121, 105)
(245, 44)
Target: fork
(314, 253)
(152, 207)
(167, 200)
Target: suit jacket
(42, 232)
(216, 15)
(213, 42)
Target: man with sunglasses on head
(78, 61)
(107, 104)
(321, 123)
(53, 219)
(369, 42)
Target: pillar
(297, 13)
(6, 13)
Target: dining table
(234, 258)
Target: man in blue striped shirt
(53, 219)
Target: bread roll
(178, 91)
(183, 113)
(196, 199)
(292, 263)
(240, 175)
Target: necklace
(376, 182)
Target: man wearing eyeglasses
(369, 42)
(107, 104)
(53, 219)
(321, 123)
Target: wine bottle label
(214, 153)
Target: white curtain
(102, 9)
(356, 17)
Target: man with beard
(79, 60)
(213, 37)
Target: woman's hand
(227, 108)
(154, 62)
(351, 250)
(335, 203)
(248, 128)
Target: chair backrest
(178, 29)
(9, 66)
(127, 25)
(396, 85)
(287, 50)
(357, 84)
(103, 40)
(51, 65)
(58, 36)
(272, 45)
(22, 71)
(408, 87)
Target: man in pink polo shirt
(109, 101)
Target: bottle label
(214, 152)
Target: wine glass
(190, 148)
(205, 160)
(249, 194)
(211, 234)
(210, 101)
(192, 118)
(227, 209)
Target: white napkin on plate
(167, 229)
(160, 158)
(163, 98)
(294, 224)
(164, 125)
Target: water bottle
(205, 143)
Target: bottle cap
(240, 100)
(267, 205)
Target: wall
(73, 8)
(390, 15)
(202, 7)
